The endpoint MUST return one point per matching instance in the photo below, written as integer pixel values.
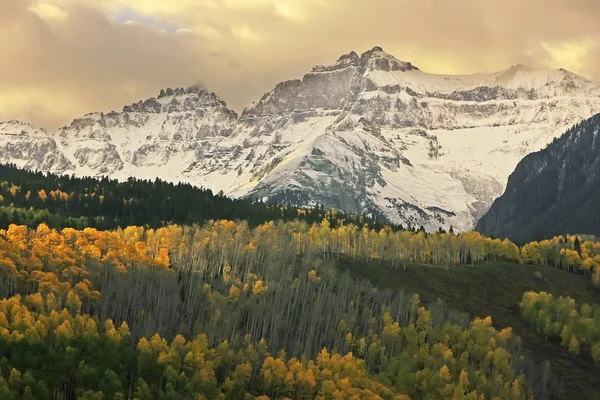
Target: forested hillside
(29, 198)
(226, 311)
(577, 254)
(496, 289)
(577, 327)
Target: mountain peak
(377, 59)
(374, 59)
(344, 61)
(351, 57)
(375, 50)
(369, 133)
(521, 67)
(15, 126)
(547, 71)
(178, 99)
(548, 82)
(195, 88)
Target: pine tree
(15, 218)
(4, 220)
(577, 246)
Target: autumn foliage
(572, 253)
(224, 311)
(577, 327)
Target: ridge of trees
(578, 254)
(30, 198)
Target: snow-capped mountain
(369, 133)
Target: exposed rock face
(32, 148)
(369, 133)
(552, 192)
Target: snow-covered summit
(14, 127)
(378, 60)
(178, 100)
(367, 133)
(518, 81)
(374, 59)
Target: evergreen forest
(60, 201)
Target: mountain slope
(495, 289)
(369, 133)
(553, 191)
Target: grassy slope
(496, 289)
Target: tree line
(578, 254)
(30, 198)
(33, 198)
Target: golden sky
(60, 59)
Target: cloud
(570, 54)
(207, 31)
(291, 10)
(48, 11)
(184, 31)
(64, 58)
(130, 16)
(246, 34)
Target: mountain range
(367, 134)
